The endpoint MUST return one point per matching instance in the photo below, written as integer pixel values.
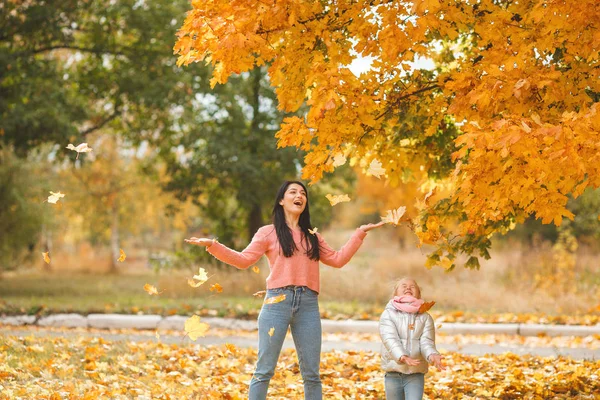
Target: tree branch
(105, 121)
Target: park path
(142, 327)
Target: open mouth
(298, 203)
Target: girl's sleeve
(247, 257)
(338, 259)
(389, 336)
(427, 340)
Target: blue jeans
(404, 386)
(300, 312)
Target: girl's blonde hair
(406, 278)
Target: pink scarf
(407, 303)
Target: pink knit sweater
(296, 270)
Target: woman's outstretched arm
(239, 259)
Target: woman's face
(294, 200)
(408, 287)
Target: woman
(294, 254)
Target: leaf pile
(94, 368)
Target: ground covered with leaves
(95, 368)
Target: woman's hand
(436, 359)
(409, 361)
(368, 227)
(200, 241)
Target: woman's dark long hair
(284, 232)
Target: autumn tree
(520, 79)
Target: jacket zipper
(412, 322)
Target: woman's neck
(292, 221)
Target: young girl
(408, 337)
(294, 254)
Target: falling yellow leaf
(313, 231)
(216, 288)
(339, 160)
(394, 216)
(46, 257)
(200, 278)
(275, 299)
(151, 289)
(194, 328)
(338, 198)
(426, 306)
(271, 331)
(232, 349)
(260, 293)
(82, 148)
(255, 269)
(375, 169)
(54, 197)
(157, 335)
(122, 256)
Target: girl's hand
(409, 361)
(436, 359)
(200, 241)
(368, 227)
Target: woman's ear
(281, 202)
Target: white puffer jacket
(398, 339)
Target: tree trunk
(114, 237)
(255, 220)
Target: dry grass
(504, 284)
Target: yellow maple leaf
(339, 160)
(338, 198)
(216, 288)
(194, 328)
(199, 279)
(275, 299)
(151, 289)
(394, 216)
(313, 231)
(445, 263)
(426, 306)
(82, 148)
(255, 269)
(271, 331)
(232, 349)
(122, 256)
(376, 169)
(54, 197)
(46, 257)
